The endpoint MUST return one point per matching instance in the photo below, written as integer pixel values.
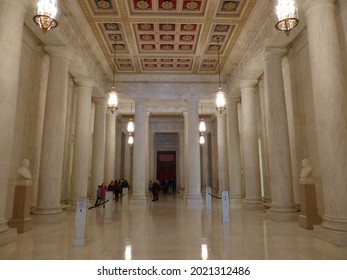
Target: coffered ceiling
(166, 36)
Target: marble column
(127, 157)
(250, 146)
(98, 154)
(110, 147)
(80, 166)
(193, 190)
(185, 149)
(140, 146)
(234, 153)
(205, 162)
(222, 153)
(11, 22)
(48, 209)
(329, 96)
(181, 160)
(282, 204)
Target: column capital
(248, 84)
(109, 114)
(59, 51)
(273, 53)
(308, 4)
(233, 101)
(85, 83)
(99, 100)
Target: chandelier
(112, 94)
(202, 129)
(220, 94)
(287, 14)
(45, 16)
(131, 128)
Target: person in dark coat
(155, 190)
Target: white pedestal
(81, 221)
(225, 207)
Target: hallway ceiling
(166, 36)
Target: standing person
(98, 196)
(155, 190)
(103, 190)
(117, 190)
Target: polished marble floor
(169, 230)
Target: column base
(22, 225)
(338, 238)
(252, 204)
(194, 200)
(308, 222)
(281, 216)
(8, 236)
(44, 219)
(235, 202)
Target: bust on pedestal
(309, 215)
(22, 199)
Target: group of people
(115, 186)
(168, 186)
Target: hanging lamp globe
(287, 15)
(45, 15)
(220, 100)
(112, 100)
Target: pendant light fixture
(45, 15)
(131, 127)
(112, 94)
(287, 14)
(202, 129)
(220, 94)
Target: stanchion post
(208, 198)
(225, 207)
(81, 221)
(125, 199)
(108, 207)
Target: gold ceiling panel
(171, 36)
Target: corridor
(168, 230)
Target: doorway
(166, 165)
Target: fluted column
(140, 146)
(98, 154)
(205, 162)
(282, 206)
(234, 153)
(11, 22)
(127, 158)
(110, 147)
(329, 96)
(193, 190)
(250, 145)
(222, 153)
(80, 167)
(48, 207)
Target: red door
(166, 166)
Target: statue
(306, 169)
(23, 170)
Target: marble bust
(306, 169)
(23, 170)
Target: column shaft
(234, 153)
(99, 136)
(52, 153)
(222, 153)
(110, 149)
(329, 96)
(80, 167)
(193, 192)
(250, 145)
(282, 206)
(140, 146)
(11, 22)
